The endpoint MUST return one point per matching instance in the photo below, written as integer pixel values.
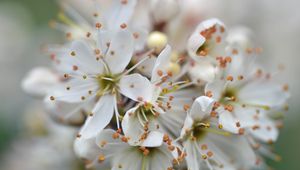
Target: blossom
(95, 74)
(109, 16)
(247, 95)
(161, 105)
(116, 153)
(207, 146)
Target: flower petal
(102, 114)
(161, 64)
(137, 87)
(39, 81)
(201, 107)
(202, 71)
(86, 148)
(263, 93)
(228, 122)
(120, 51)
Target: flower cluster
(153, 88)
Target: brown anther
(238, 124)
(229, 78)
(124, 139)
(213, 114)
(241, 131)
(166, 138)
(286, 87)
(115, 135)
(228, 59)
(159, 73)
(123, 26)
(97, 51)
(209, 94)
(209, 153)
(84, 77)
(124, 2)
(66, 75)
(235, 51)
(203, 53)
(88, 34)
(255, 127)
(78, 135)
(218, 39)
(101, 158)
(75, 68)
(52, 98)
(103, 143)
(229, 107)
(69, 35)
(240, 77)
(136, 35)
(82, 98)
(68, 87)
(186, 107)
(98, 25)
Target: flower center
(228, 95)
(199, 129)
(145, 113)
(107, 83)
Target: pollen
(98, 25)
(123, 26)
(101, 158)
(229, 78)
(52, 98)
(75, 68)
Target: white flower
(39, 80)
(204, 46)
(161, 105)
(208, 147)
(115, 153)
(246, 95)
(95, 75)
(110, 16)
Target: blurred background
(24, 29)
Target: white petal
(161, 63)
(193, 157)
(188, 123)
(102, 114)
(228, 122)
(131, 126)
(201, 107)
(235, 148)
(202, 71)
(73, 90)
(39, 81)
(263, 93)
(163, 11)
(119, 13)
(84, 58)
(154, 139)
(195, 41)
(216, 88)
(120, 51)
(137, 87)
(86, 148)
(267, 130)
(162, 159)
